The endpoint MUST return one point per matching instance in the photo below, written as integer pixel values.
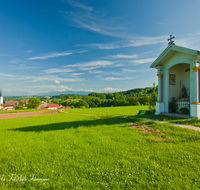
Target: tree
(34, 102)
(83, 103)
(153, 98)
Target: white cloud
(142, 61)
(28, 51)
(61, 88)
(112, 78)
(57, 82)
(118, 56)
(51, 55)
(80, 5)
(110, 89)
(56, 70)
(22, 90)
(92, 64)
(39, 78)
(143, 41)
(132, 71)
(95, 72)
(6, 75)
(54, 78)
(102, 46)
(119, 78)
(96, 21)
(87, 68)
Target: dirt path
(175, 124)
(27, 114)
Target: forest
(139, 96)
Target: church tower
(1, 97)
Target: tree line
(139, 96)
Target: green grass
(76, 151)
(111, 111)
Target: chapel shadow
(73, 124)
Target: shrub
(19, 107)
(82, 107)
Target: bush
(72, 107)
(19, 107)
(153, 98)
(82, 107)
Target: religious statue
(183, 92)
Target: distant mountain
(136, 91)
(51, 93)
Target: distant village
(11, 104)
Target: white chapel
(178, 71)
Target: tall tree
(34, 102)
(153, 98)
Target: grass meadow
(96, 151)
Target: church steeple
(1, 92)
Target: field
(96, 151)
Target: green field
(79, 151)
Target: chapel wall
(182, 78)
(174, 89)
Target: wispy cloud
(118, 78)
(102, 46)
(61, 88)
(52, 55)
(91, 65)
(55, 78)
(113, 78)
(143, 41)
(95, 72)
(132, 71)
(131, 42)
(79, 5)
(57, 82)
(27, 67)
(95, 21)
(21, 90)
(56, 70)
(121, 56)
(30, 78)
(142, 61)
(28, 51)
(110, 89)
(7, 75)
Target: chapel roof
(169, 52)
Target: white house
(178, 77)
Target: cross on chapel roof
(171, 42)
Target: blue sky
(89, 45)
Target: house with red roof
(53, 106)
(25, 101)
